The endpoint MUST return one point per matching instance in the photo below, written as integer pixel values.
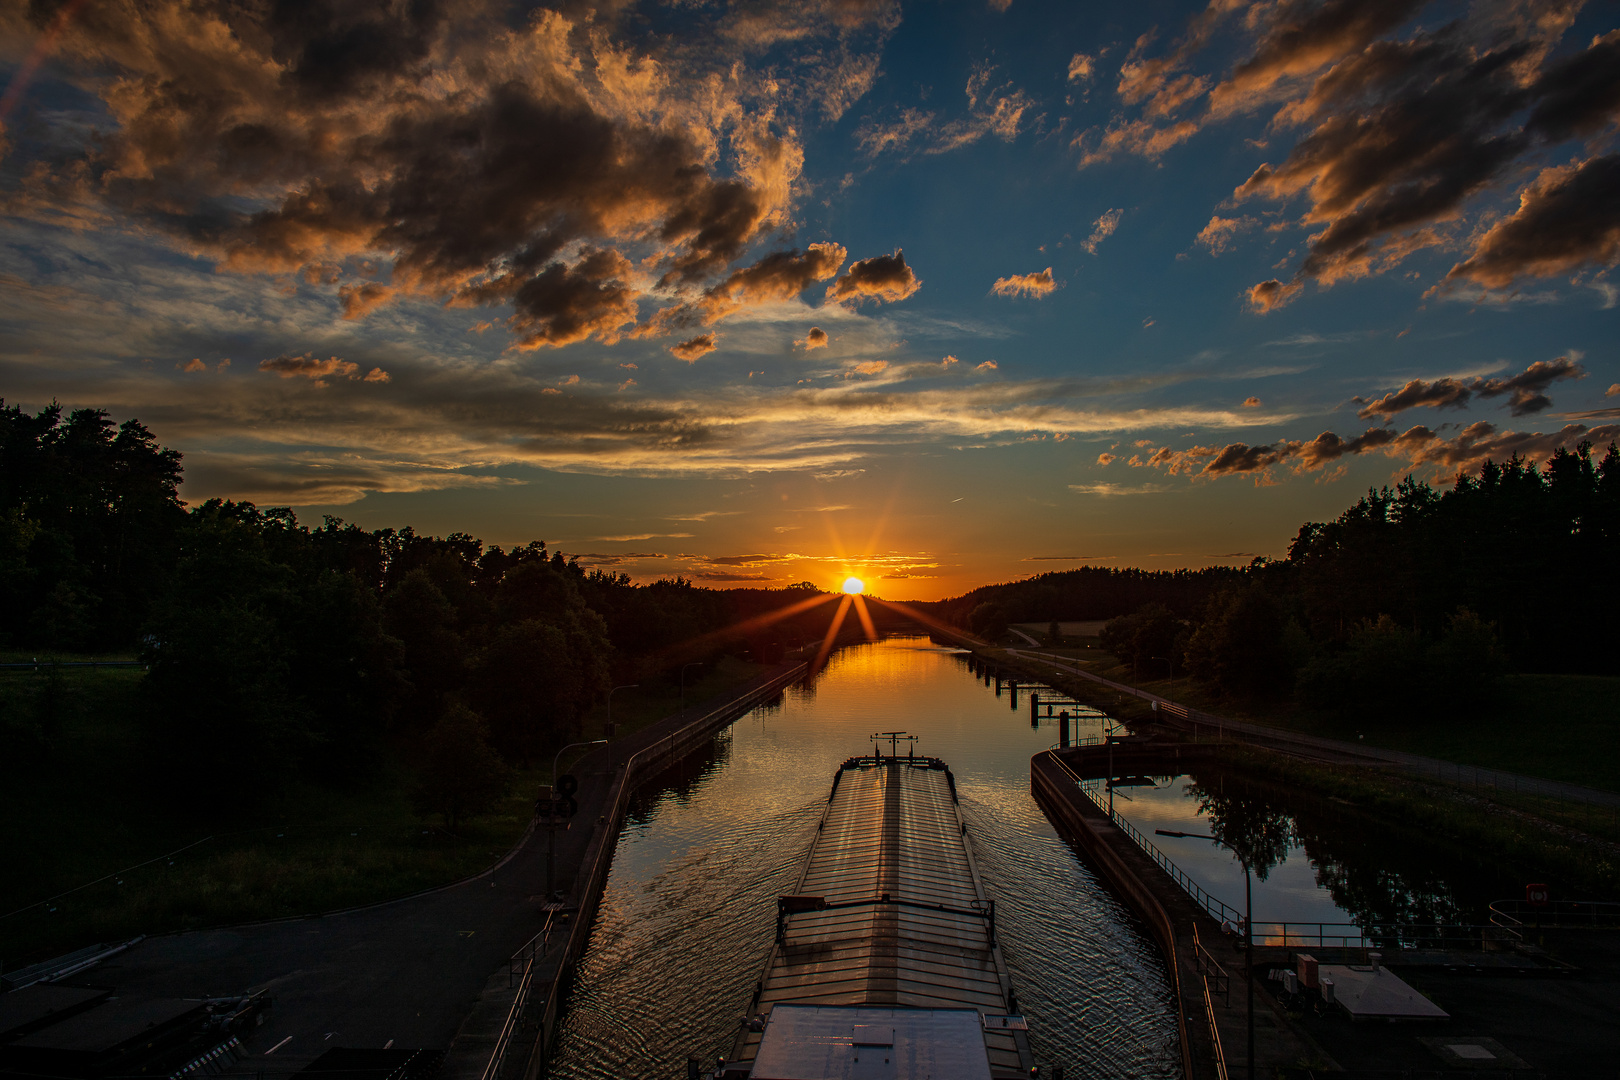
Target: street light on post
(551, 817)
(1248, 927)
(608, 727)
(697, 663)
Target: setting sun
(853, 585)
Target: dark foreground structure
(886, 962)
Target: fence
(1215, 980)
(521, 1018)
(1218, 909)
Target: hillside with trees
(1411, 595)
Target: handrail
(1217, 908)
(528, 955)
(1513, 915)
(1200, 955)
(1319, 934)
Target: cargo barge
(885, 962)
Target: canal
(688, 916)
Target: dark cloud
(714, 575)
(1439, 394)
(309, 367)
(815, 339)
(781, 275)
(477, 160)
(564, 304)
(1568, 218)
(1272, 294)
(1303, 39)
(693, 348)
(1526, 391)
(1581, 95)
(880, 278)
(1418, 446)
(1400, 136)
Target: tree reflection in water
(1378, 871)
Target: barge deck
(887, 950)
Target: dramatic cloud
(1037, 284)
(781, 275)
(1418, 446)
(565, 304)
(702, 345)
(880, 278)
(815, 339)
(1400, 135)
(1568, 219)
(1439, 394)
(1526, 391)
(468, 162)
(1102, 229)
(362, 299)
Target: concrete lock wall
(1073, 815)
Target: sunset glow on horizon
(748, 294)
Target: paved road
(408, 971)
(1340, 751)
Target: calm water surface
(686, 922)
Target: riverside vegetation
(349, 713)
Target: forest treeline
(1412, 595)
(275, 647)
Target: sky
(754, 293)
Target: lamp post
(608, 728)
(1172, 664)
(1248, 928)
(551, 818)
(697, 663)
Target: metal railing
(1218, 909)
(1516, 915)
(1207, 964)
(1327, 935)
(522, 967)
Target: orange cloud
(690, 350)
(815, 339)
(880, 278)
(1036, 284)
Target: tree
(460, 775)
(1239, 646)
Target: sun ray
(927, 620)
(832, 635)
(746, 626)
(865, 616)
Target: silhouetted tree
(460, 775)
